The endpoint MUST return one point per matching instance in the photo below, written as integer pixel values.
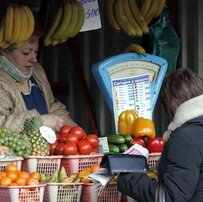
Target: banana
(131, 18)
(111, 16)
(17, 25)
(24, 27)
(161, 6)
(152, 11)
(145, 5)
(81, 19)
(8, 20)
(122, 19)
(65, 20)
(135, 48)
(48, 36)
(31, 21)
(55, 42)
(138, 16)
(74, 19)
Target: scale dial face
(130, 68)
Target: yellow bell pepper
(144, 128)
(125, 122)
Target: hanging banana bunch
(17, 26)
(133, 18)
(67, 22)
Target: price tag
(92, 15)
(103, 145)
(48, 134)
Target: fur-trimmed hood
(187, 111)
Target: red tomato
(52, 148)
(62, 138)
(59, 149)
(84, 147)
(138, 140)
(93, 139)
(71, 138)
(70, 149)
(77, 130)
(155, 145)
(65, 129)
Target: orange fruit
(13, 184)
(11, 167)
(95, 167)
(32, 181)
(12, 175)
(5, 181)
(35, 175)
(24, 174)
(2, 174)
(21, 181)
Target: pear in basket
(54, 177)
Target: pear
(43, 178)
(54, 177)
(62, 175)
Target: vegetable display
(73, 140)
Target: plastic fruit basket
(22, 193)
(63, 192)
(5, 161)
(76, 163)
(153, 158)
(109, 194)
(43, 164)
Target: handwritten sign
(92, 15)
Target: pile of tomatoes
(73, 140)
(12, 176)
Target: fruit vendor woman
(25, 90)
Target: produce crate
(22, 193)
(43, 164)
(153, 158)
(109, 194)
(76, 163)
(63, 192)
(5, 161)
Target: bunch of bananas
(16, 26)
(133, 16)
(68, 21)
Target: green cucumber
(128, 138)
(123, 147)
(115, 139)
(114, 149)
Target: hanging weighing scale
(131, 81)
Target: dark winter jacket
(181, 164)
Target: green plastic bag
(165, 42)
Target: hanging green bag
(165, 42)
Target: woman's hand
(53, 121)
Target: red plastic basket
(22, 193)
(109, 194)
(5, 161)
(43, 164)
(76, 163)
(63, 192)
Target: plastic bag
(165, 42)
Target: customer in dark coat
(180, 169)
